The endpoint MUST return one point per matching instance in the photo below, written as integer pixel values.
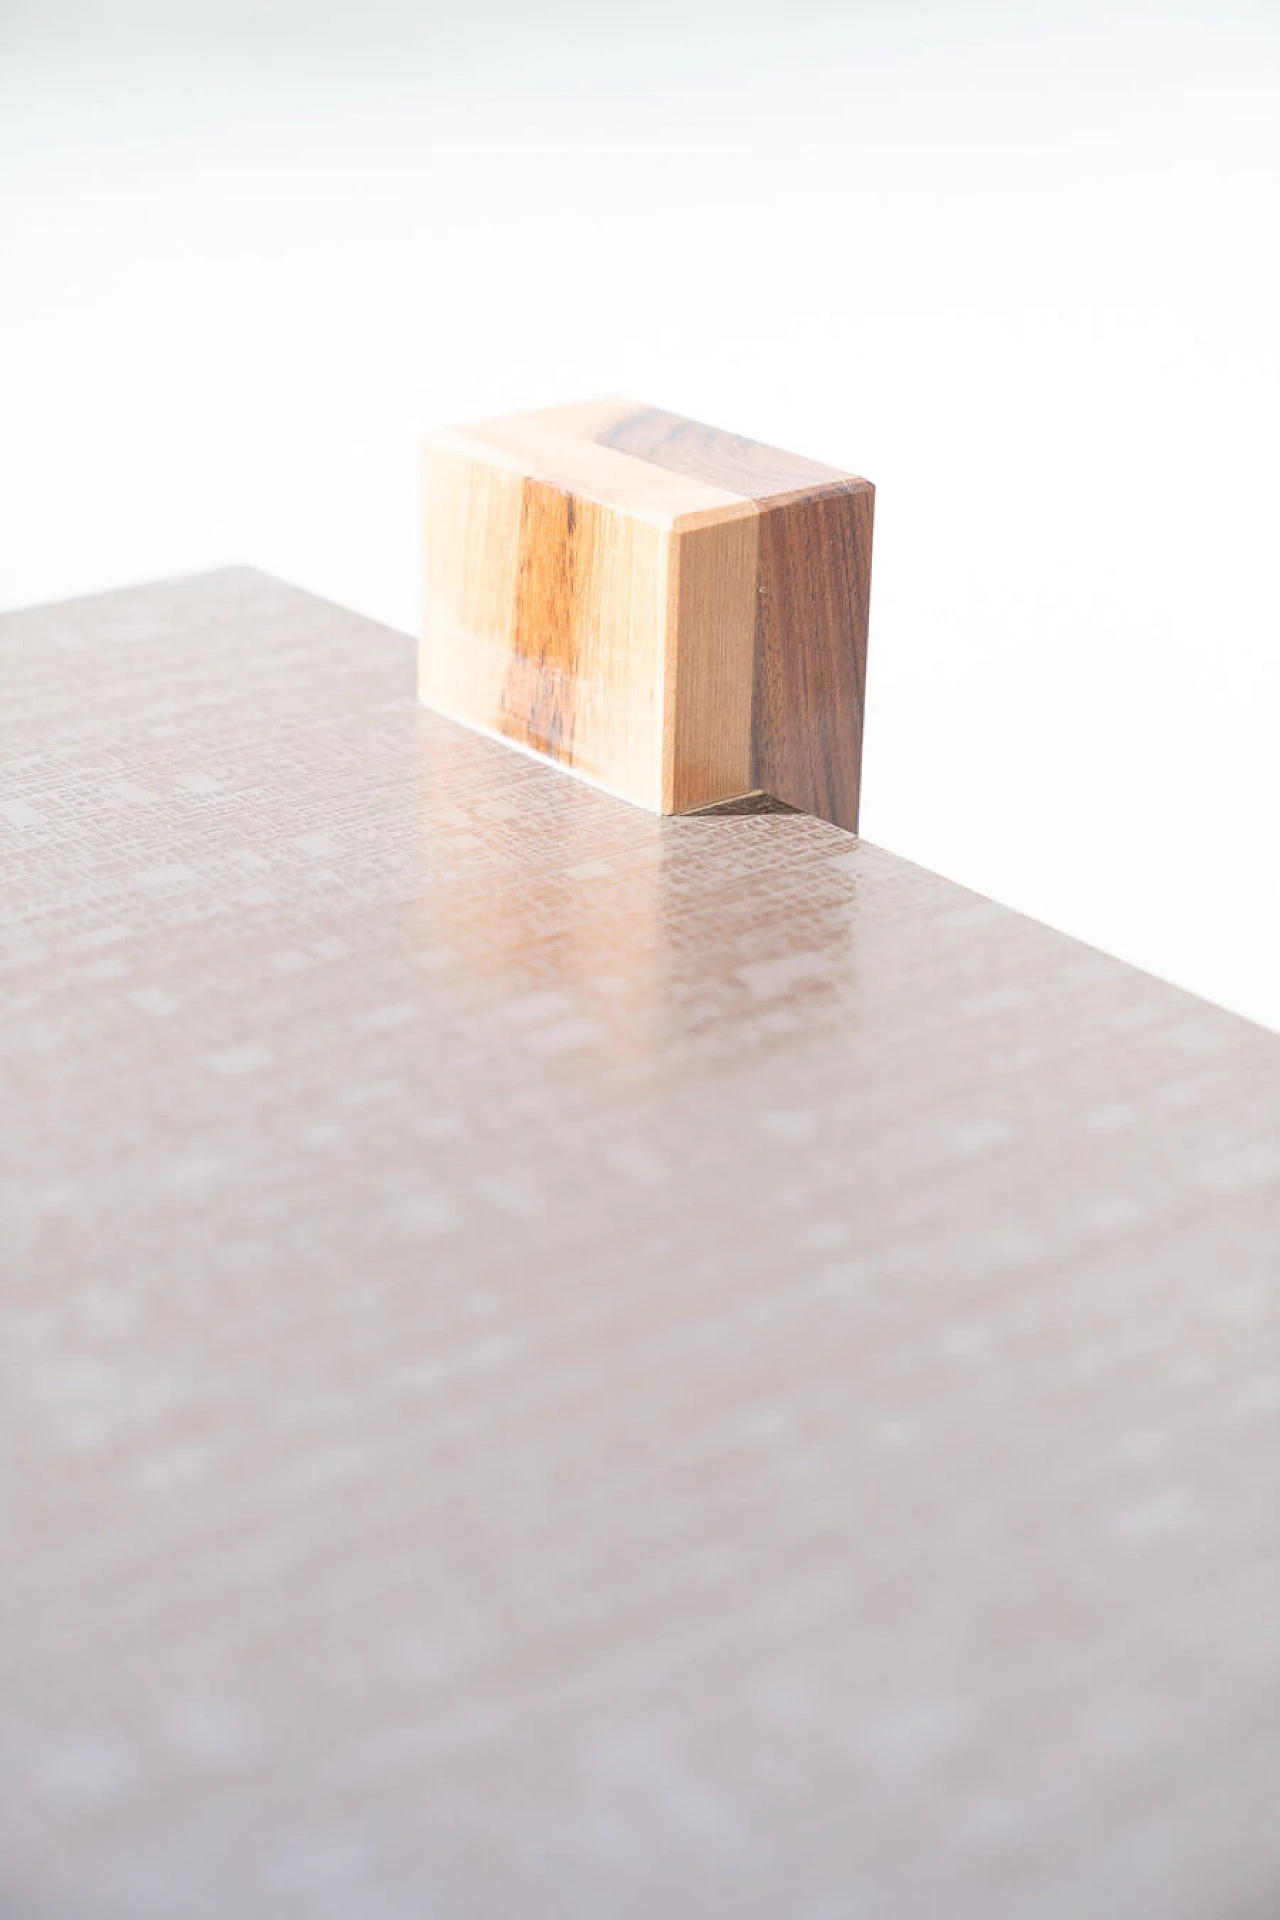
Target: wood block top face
(677, 612)
(676, 471)
(511, 1306)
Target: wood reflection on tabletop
(622, 934)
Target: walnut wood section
(560, 1364)
(676, 612)
(722, 459)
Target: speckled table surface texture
(559, 1363)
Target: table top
(559, 1362)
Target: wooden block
(675, 612)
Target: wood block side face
(710, 654)
(811, 651)
(544, 619)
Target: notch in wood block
(678, 613)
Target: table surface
(562, 1363)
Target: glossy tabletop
(563, 1363)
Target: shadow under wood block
(675, 612)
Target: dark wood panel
(811, 650)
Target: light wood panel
(709, 655)
(677, 612)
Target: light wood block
(677, 613)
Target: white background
(1018, 264)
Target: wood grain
(588, 603)
(546, 615)
(677, 612)
(811, 651)
(689, 447)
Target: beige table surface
(557, 1363)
